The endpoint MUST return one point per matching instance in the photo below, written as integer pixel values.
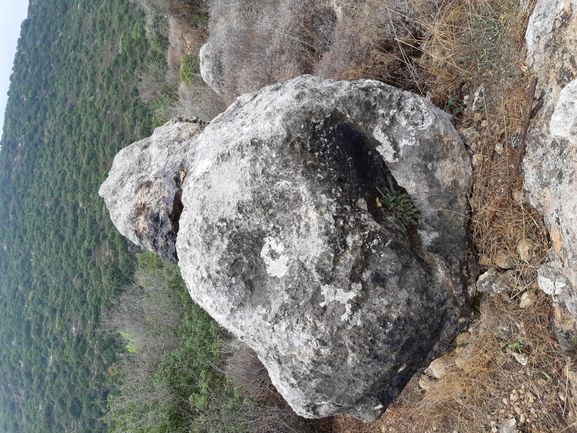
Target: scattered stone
(463, 338)
(479, 99)
(485, 261)
(521, 358)
(563, 320)
(504, 260)
(438, 368)
(491, 282)
(280, 239)
(477, 159)
(527, 299)
(426, 383)
(509, 426)
(525, 248)
(469, 135)
(518, 196)
(554, 282)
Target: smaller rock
(508, 426)
(485, 261)
(463, 338)
(211, 68)
(438, 368)
(491, 282)
(518, 196)
(478, 99)
(525, 249)
(527, 299)
(460, 363)
(469, 135)
(426, 383)
(477, 159)
(504, 260)
(563, 320)
(493, 427)
(520, 357)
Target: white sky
(12, 13)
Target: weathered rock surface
(280, 238)
(550, 162)
(143, 189)
(211, 69)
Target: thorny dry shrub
(376, 40)
(270, 413)
(263, 42)
(247, 372)
(259, 43)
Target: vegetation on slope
(181, 372)
(73, 103)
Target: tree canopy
(73, 103)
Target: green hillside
(72, 105)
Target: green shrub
(189, 69)
(400, 204)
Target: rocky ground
(513, 370)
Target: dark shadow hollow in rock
(349, 158)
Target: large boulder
(550, 162)
(282, 241)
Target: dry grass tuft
(268, 412)
(260, 43)
(375, 40)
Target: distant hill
(73, 103)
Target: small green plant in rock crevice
(400, 204)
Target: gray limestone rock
(281, 239)
(143, 189)
(211, 69)
(491, 282)
(550, 162)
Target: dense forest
(73, 103)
